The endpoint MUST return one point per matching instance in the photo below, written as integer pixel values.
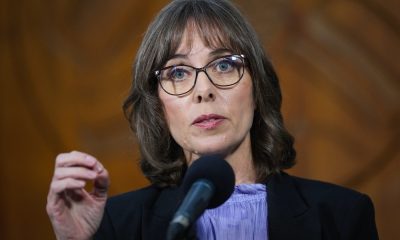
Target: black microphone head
(216, 170)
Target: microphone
(208, 183)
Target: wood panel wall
(65, 70)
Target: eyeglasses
(222, 72)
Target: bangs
(216, 28)
(212, 37)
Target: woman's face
(208, 120)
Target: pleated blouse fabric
(243, 216)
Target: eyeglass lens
(180, 79)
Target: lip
(208, 121)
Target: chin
(212, 149)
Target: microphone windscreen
(216, 170)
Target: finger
(75, 158)
(74, 172)
(98, 167)
(101, 184)
(57, 188)
(60, 186)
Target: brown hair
(220, 24)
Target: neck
(241, 161)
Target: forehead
(191, 43)
(197, 35)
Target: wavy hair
(219, 24)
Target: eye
(224, 65)
(177, 73)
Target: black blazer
(297, 209)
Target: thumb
(101, 183)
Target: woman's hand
(74, 212)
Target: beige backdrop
(65, 70)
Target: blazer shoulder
(342, 213)
(319, 190)
(313, 193)
(350, 211)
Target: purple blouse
(242, 216)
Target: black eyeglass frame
(202, 69)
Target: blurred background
(66, 68)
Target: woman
(203, 85)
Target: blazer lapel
(158, 213)
(289, 216)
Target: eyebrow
(214, 53)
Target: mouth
(208, 121)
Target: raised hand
(74, 212)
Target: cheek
(174, 114)
(244, 96)
(245, 104)
(178, 124)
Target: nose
(204, 91)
